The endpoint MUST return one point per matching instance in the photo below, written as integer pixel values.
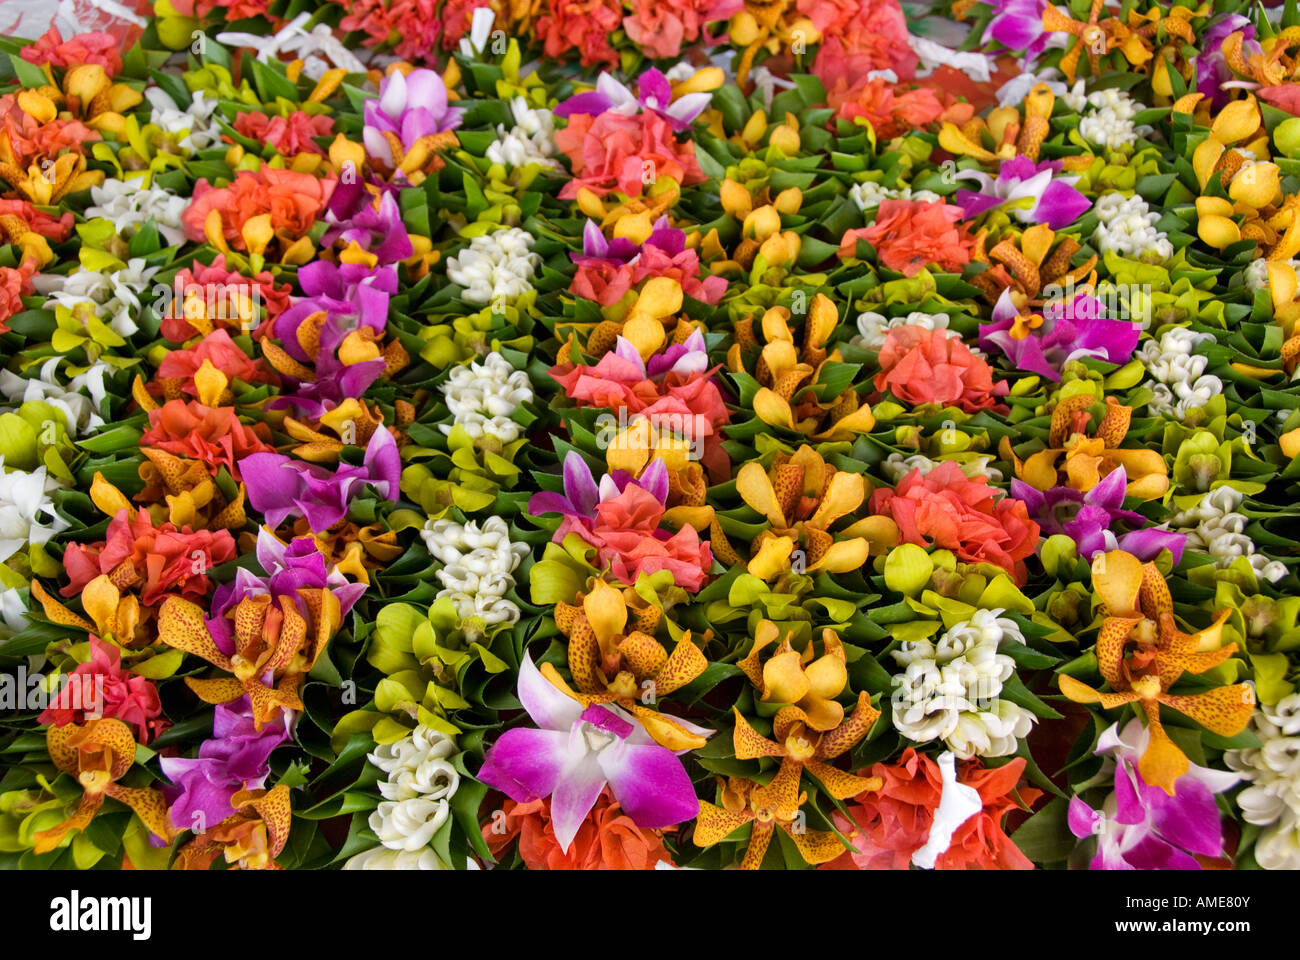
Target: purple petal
(650, 784)
(654, 479)
(1146, 544)
(1082, 819)
(526, 764)
(579, 485)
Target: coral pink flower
(947, 509)
(157, 559)
(103, 686)
(608, 839)
(32, 141)
(15, 283)
(289, 135)
(218, 290)
(894, 821)
(213, 435)
(910, 234)
(34, 220)
(921, 366)
(85, 48)
(628, 540)
(223, 353)
(890, 110)
(662, 27)
(615, 152)
(411, 27)
(294, 201)
(584, 25)
(859, 36)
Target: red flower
(661, 28)
(32, 220)
(584, 25)
(895, 820)
(910, 234)
(615, 152)
(411, 26)
(15, 283)
(890, 111)
(88, 48)
(157, 559)
(859, 36)
(607, 839)
(607, 281)
(214, 435)
(223, 353)
(289, 135)
(31, 141)
(920, 366)
(293, 200)
(101, 685)
(947, 509)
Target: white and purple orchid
(653, 93)
(1045, 342)
(575, 752)
(1140, 827)
(1032, 193)
(1018, 25)
(409, 106)
(582, 493)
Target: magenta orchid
(1088, 519)
(1032, 193)
(236, 757)
(653, 93)
(1018, 25)
(574, 752)
(280, 486)
(410, 107)
(1064, 331)
(373, 223)
(1140, 827)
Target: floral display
(701, 434)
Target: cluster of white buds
(1127, 226)
(896, 467)
(868, 194)
(483, 395)
(1110, 121)
(479, 563)
(1180, 381)
(112, 295)
(130, 204)
(1215, 527)
(381, 858)
(874, 327)
(531, 140)
(497, 268)
(949, 690)
(193, 127)
(417, 792)
(1272, 800)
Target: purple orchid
(1213, 77)
(237, 757)
(352, 296)
(1066, 331)
(1087, 518)
(356, 215)
(685, 358)
(595, 245)
(1018, 25)
(574, 753)
(1033, 191)
(1140, 827)
(280, 487)
(582, 493)
(653, 92)
(409, 106)
(289, 568)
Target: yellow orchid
(99, 753)
(650, 324)
(1078, 460)
(802, 497)
(799, 678)
(769, 26)
(1004, 128)
(45, 182)
(786, 373)
(1274, 65)
(644, 440)
(1093, 36)
(1141, 653)
(351, 422)
(251, 838)
(89, 95)
(611, 663)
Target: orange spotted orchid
(1141, 653)
(611, 663)
(1010, 135)
(251, 839)
(99, 753)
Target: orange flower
(15, 283)
(289, 201)
(890, 111)
(213, 435)
(607, 839)
(909, 235)
(895, 820)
